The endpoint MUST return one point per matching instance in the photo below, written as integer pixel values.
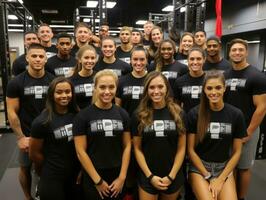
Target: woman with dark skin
(156, 125)
(215, 131)
(51, 145)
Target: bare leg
(229, 190)
(200, 187)
(143, 195)
(25, 181)
(172, 196)
(243, 180)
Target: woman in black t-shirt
(130, 86)
(51, 145)
(164, 62)
(156, 37)
(102, 140)
(215, 131)
(159, 141)
(186, 43)
(83, 75)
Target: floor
(10, 188)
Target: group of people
(145, 116)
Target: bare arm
(193, 156)
(260, 103)
(118, 101)
(126, 155)
(36, 154)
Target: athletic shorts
(248, 153)
(23, 158)
(145, 184)
(214, 168)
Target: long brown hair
(158, 56)
(204, 106)
(79, 55)
(152, 49)
(145, 108)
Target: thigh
(200, 186)
(172, 196)
(229, 189)
(143, 195)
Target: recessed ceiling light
(141, 22)
(12, 17)
(110, 4)
(92, 4)
(168, 8)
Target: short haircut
(63, 35)
(82, 24)
(44, 24)
(200, 31)
(126, 28)
(215, 38)
(136, 30)
(148, 22)
(30, 32)
(35, 46)
(240, 41)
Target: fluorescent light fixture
(97, 20)
(168, 8)
(141, 22)
(29, 17)
(15, 30)
(47, 11)
(110, 4)
(15, 25)
(61, 26)
(183, 9)
(58, 21)
(20, 1)
(113, 31)
(12, 17)
(92, 4)
(253, 42)
(86, 19)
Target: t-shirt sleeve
(134, 125)
(38, 129)
(176, 91)
(126, 119)
(13, 89)
(79, 124)
(191, 121)
(240, 126)
(119, 89)
(183, 69)
(259, 84)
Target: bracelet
(150, 177)
(170, 178)
(99, 182)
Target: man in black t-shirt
(45, 35)
(124, 50)
(214, 59)
(25, 100)
(20, 64)
(63, 63)
(246, 89)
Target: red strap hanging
(219, 28)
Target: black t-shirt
(51, 51)
(83, 89)
(225, 125)
(241, 85)
(60, 67)
(187, 90)
(130, 90)
(146, 42)
(123, 55)
(159, 141)
(171, 71)
(119, 67)
(60, 160)
(222, 65)
(182, 58)
(31, 93)
(19, 65)
(104, 129)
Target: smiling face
(62, 96)
(83, 35)
(238, 53)
(167, 51)
(214, 90)
(88, 60)
(36, 59)
(213, 48)
(157, 90)
(45, 33)
(156, 36)
(139, 61)
(108, 48)
(186, 43)
(195, 63)
(105, 90)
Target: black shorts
(145, 184)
